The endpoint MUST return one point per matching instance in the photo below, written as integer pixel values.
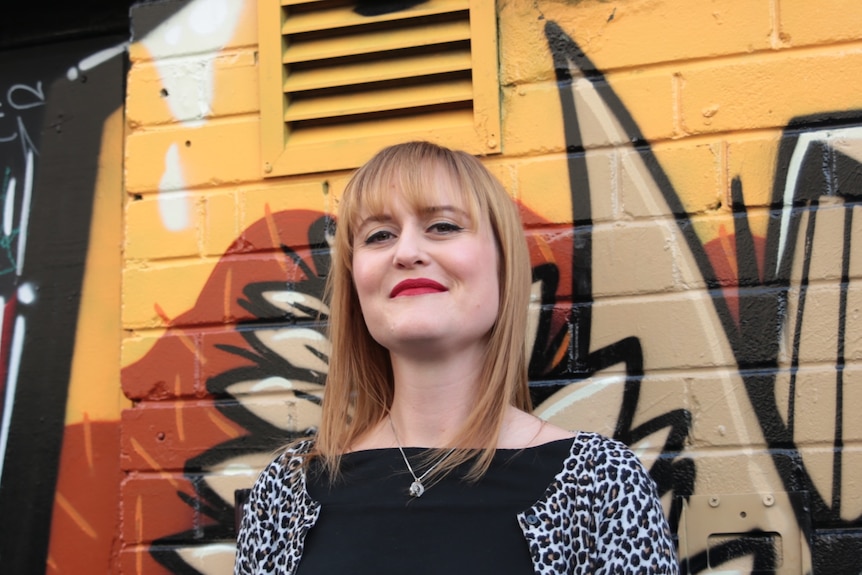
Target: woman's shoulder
(606, 459)
(288, 460)
(600, 448)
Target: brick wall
(688, 174)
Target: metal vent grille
(358, 81)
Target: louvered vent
(357, 76)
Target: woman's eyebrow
(446, 208)
(378, 218)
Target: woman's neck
(433, 399)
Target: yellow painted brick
(146, 96)
(532, 120)
(236, 84)
(646, 96)
(220, 222)
(136, 347)
(544, 187)
(213, 154)
(148, 227)
(503, 169)
(173, 288)
(337, 183)
(759, 219)
(191, 89)
(196, 28)
(524, 53)
(643, 32)
(752, 159)
(821, 22)
(719, 226)
(694, 171)
(767, 91)
(307, 195)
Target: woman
(427, 459)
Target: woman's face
(426, 281)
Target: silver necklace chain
(416, 488)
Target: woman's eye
(445, 227)
(377, 237)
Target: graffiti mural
(695, 286)
(710, 337)
(759, 307)
(58, 111)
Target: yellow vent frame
(336, 86)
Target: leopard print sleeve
(278, 514)
(633, 534)
(600, 516)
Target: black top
(368, 521)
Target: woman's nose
(408, 249)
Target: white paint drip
(274, 382)
(26, 293)
(207, 16)
(298, 334)
(9, 207)
(173, 33)
(201, 27)
(240, 469)
(203, 552)
(102, 56)
(25, 213)
(94, 60)
(11, 385)
(288, 297)
(173, 205)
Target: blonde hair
(359, 386)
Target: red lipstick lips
(418, 286)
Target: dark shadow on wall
(51, 136)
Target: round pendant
(417, 489)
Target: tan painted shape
(212, 558)
(284, 410)
(851, 479)
(708, 520)
(93, 390)
(236, 473)
(676, 331)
